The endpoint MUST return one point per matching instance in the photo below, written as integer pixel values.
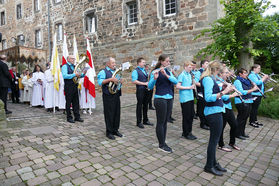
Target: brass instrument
(194, 82)
(269, 77)
(115, 87)
(254, 84)
(79, 68)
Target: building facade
(124, 29)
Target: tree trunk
(245, 58)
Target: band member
(38, 90)
(163, 80)
(228, 116)
(15, 85)
(244, 86)
(111, 102)
(171, 119)
(259, 81)
(71, 89)
(200, 99)
(140, 78)
(186, 98)
(150, 92)
(213, 113)
(5, 82)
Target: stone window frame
(164, 8)
(85, 23)
(161, 10)
(125, 13)
(2, 1)
(38, 44)
(20, 39)
(4, 44)
(37, 8)
(1, 19)
(19, 16)
(56, 3)
(56, 28)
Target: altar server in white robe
(38, 91)
(51, 94)
(61, 99)
(25, 96)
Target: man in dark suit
(5, 81)
(15, 85)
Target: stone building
(124, 29)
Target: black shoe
(8, 112)
(170, 121)
(110, 136)
(79, 120)
(151, 108)
(254, 125)
(245, 136)
(259, 124)
(148, 123)
(118, 134)
(219, 168)
(191, 137)
(213, 171)
(140, 125)
(166, 149)
(70, 120)
(205, 127)
(241, 137)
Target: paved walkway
(39, 148)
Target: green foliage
(269, 106)
(243, 22)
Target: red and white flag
(89, 82)
(65, 50)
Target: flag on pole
(89, 82)
(76, 50)
(55, 65)
(65, 50)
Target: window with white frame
(132, 12)
(90, 22)
(38, 38)
(3, 18)
(170, 7)
(57, 1)
(4, 44)
(18, 11)
(36, 5)
(59, 31)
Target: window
(4, 44)
(36, 5)
(170, 7)
(57, 1)
(18, 11)
(132, 14)
(90, 23)
(59, 31)
(20, 39)
(38, 38)
(2, 1)
(3, 18)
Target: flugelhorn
(269, 77)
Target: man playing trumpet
(71, 89)
(111, 102)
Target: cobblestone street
(41, 148)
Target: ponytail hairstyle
(254, 66)
(161, 58)
(213, 66)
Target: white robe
(51, 94)
(61, 99)
(85, 99)
(38, 91)
(27, 92)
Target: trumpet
(234, 88)
(269, 77)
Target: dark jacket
(5, 76)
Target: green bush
(270, 105)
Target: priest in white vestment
(38, 91)
(51, 94)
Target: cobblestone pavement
(40, 148)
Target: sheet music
(176, 67)
(269, 90)
(153, 63)
(125, 66)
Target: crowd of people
(211, 85)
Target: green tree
(234, 35)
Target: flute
(234, 88)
